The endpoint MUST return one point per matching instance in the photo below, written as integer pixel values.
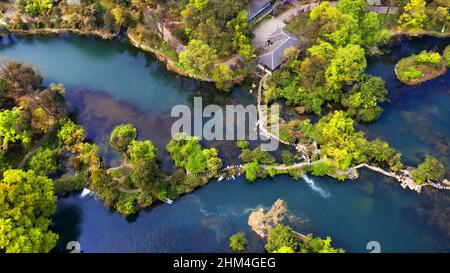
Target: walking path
(404, 176)
(35, 146)
(262, 121)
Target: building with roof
(276, 44)
(256, 7)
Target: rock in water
(261, 223)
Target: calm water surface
(109, 83)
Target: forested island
(45, 153)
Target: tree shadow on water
(67, 222)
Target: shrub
(321, 169)
(428, 58)
(281, 236)
(412, 74)
(430, 169)
(242, 144)
(252, 171)
(238, 242)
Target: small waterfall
(314, 187)
(85, 192)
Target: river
(109, 83)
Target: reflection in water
(67, 223)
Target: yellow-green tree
(347, 67)
(238, 242)
(12, 129)
(223, 76)
(414, 16)
(198, 58)
(26, 203)
(340, 142)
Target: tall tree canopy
(414, 16)
(26, 203)
(13, 128)
(430, 169)
(347, 67)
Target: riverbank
(171, 64)
(396, 33)
(52, 31)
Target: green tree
(340, 141)
(238, 242)
(372, 31)
(442, 16)
(347, 67)
(354, 8)
(122, 16)
(325, 18)
(109, 21)
(447, 55)
(126, 204)
(379, 151)
(319, 245)
(284, 249)
(187, 153)
(243, 144)
(430, 169)
(40, 119)
(71, 134)
(88, 156)
(26, 203)
(197, 161)
(252, 171)
(13, 128)
(142, 150)
(198, 58)
(288, 158)
(321, 169)
(323, 50)
(414, 16)
(214, 163)
(122, 136)
(241, 30)
(145, 173)
(104, 186)
(428, 58)
(362, 101)
(258, 155)
(44, 161)
(281, 236)
(223, 77)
